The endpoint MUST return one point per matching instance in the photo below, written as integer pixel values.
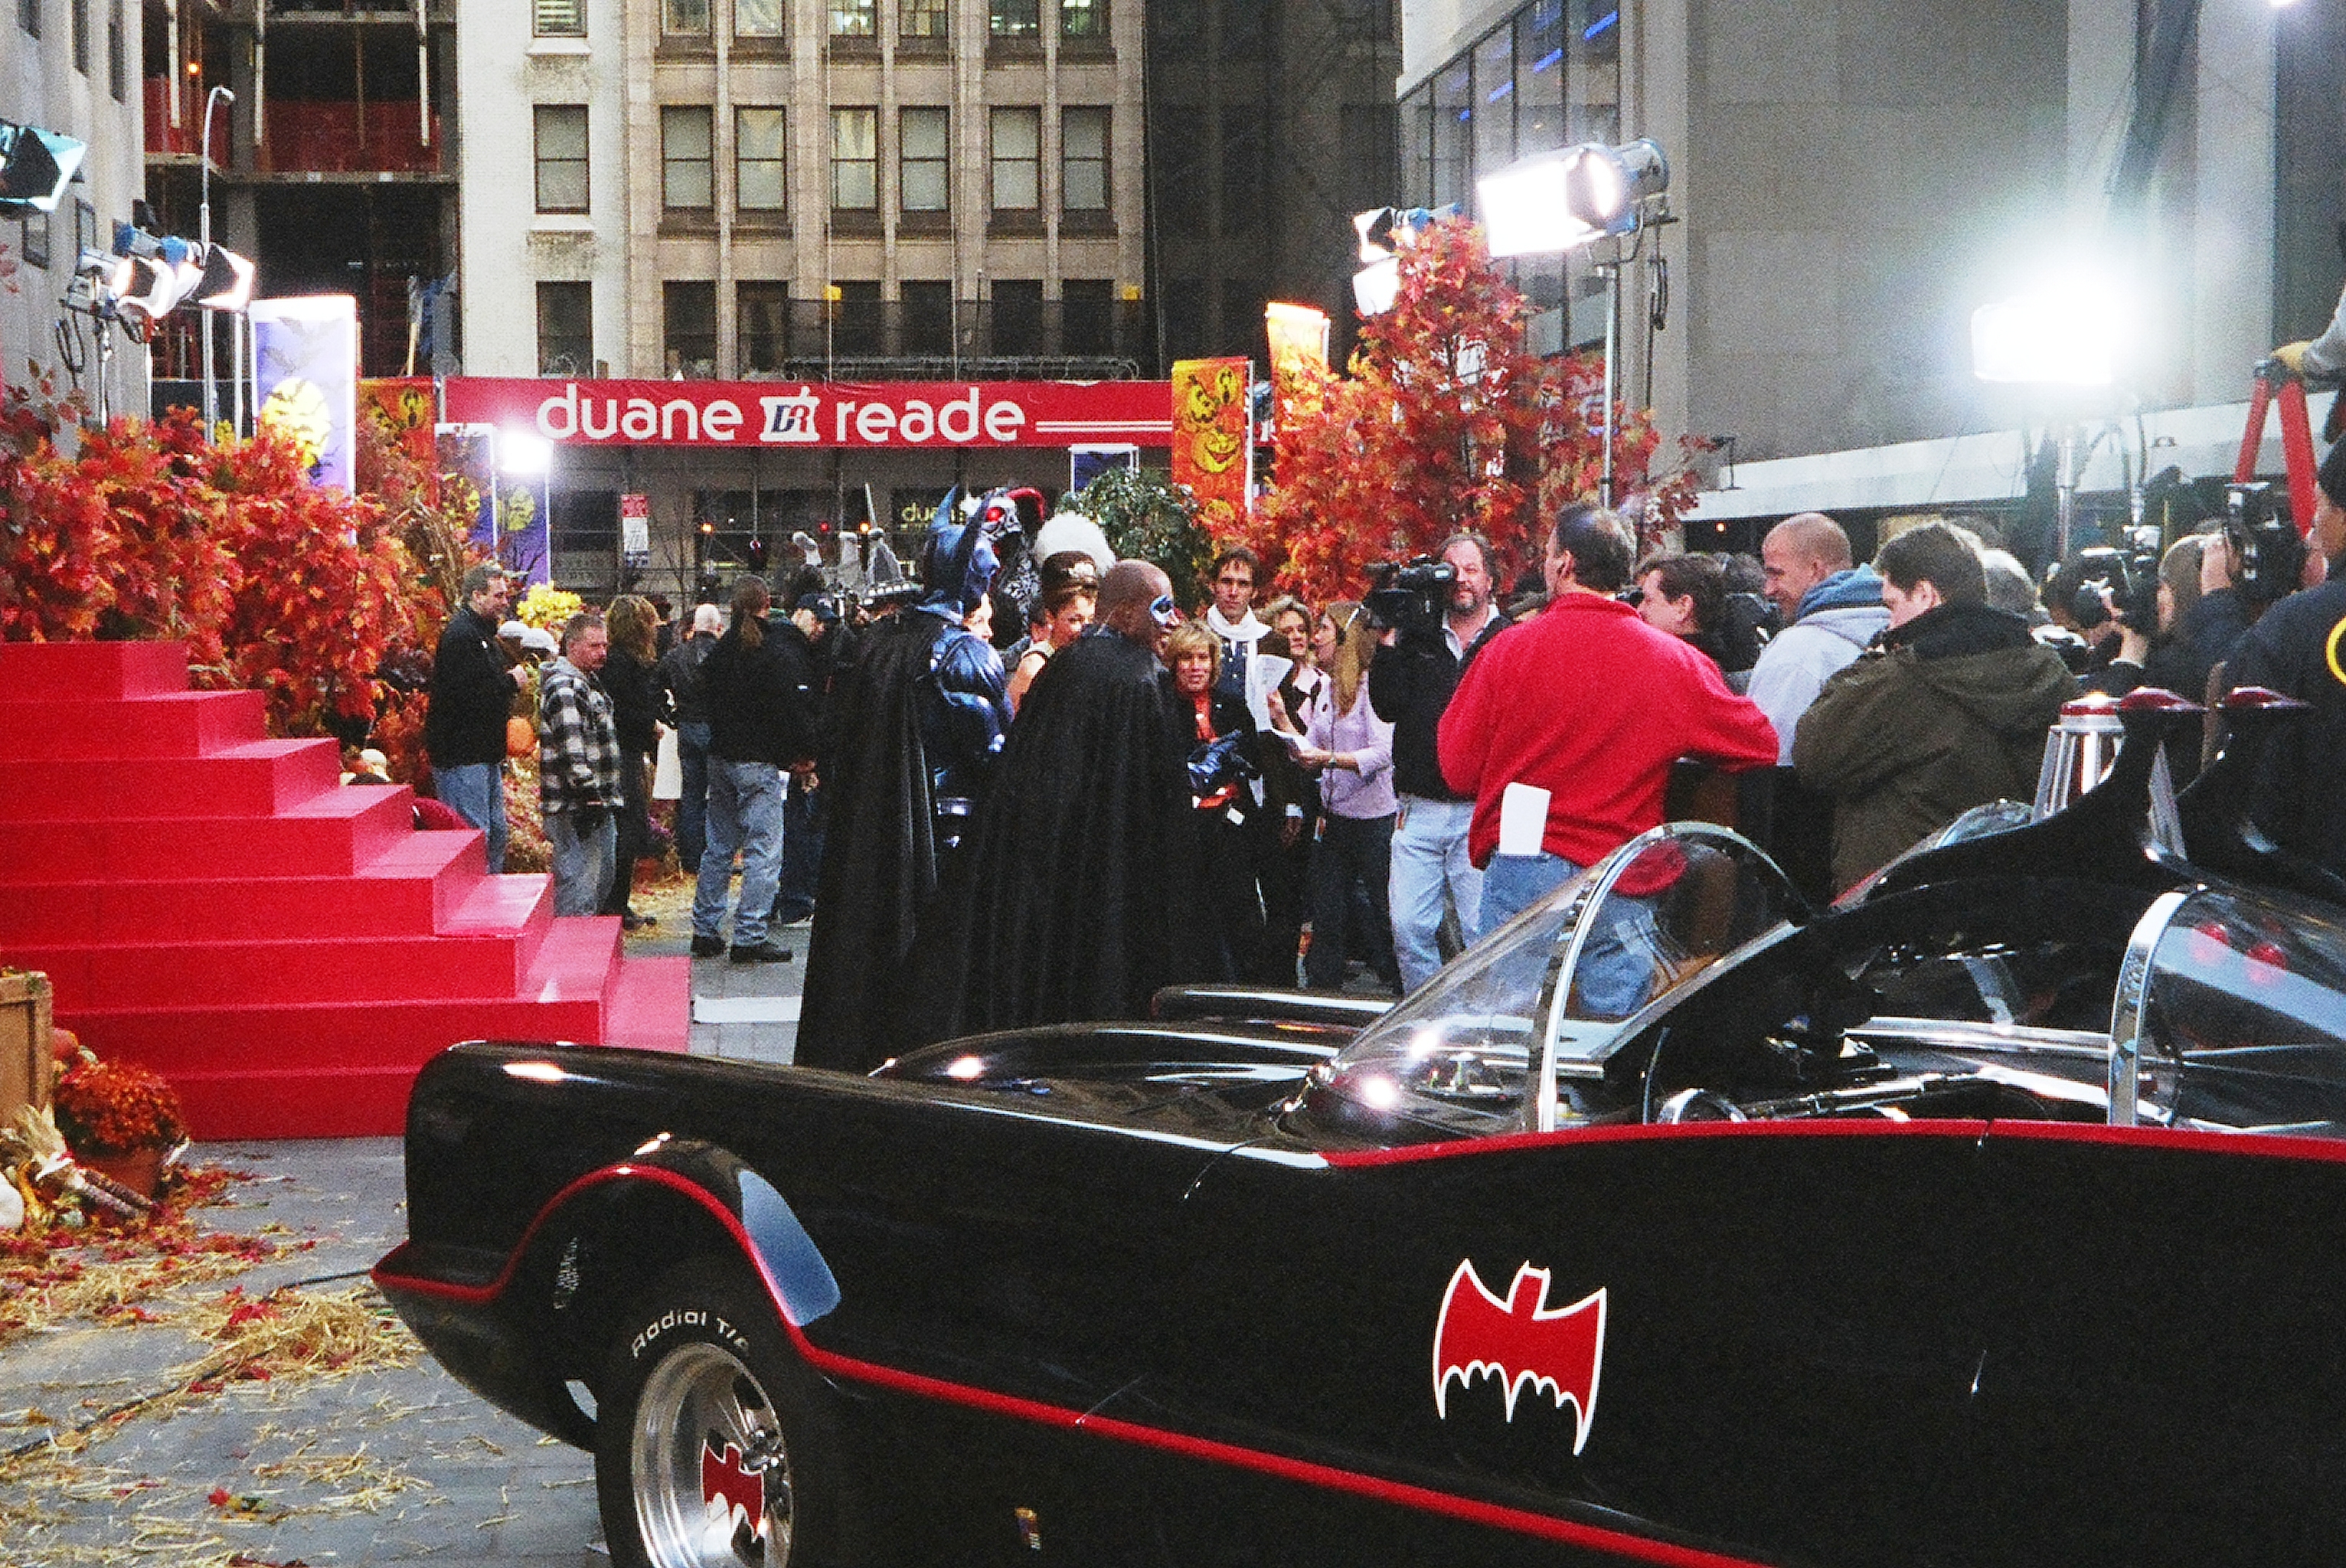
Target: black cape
(1076, 907)
(880, 852)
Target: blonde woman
(1351, 748)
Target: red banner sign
(893, 415)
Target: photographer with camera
(1439, 626)
(2299, 648)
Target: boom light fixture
(35, 167)
(1384, 233)
(1562, 201)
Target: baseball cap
(822, 606)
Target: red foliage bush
(114, 1107)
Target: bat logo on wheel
(1520, 1340)
(726, 1477)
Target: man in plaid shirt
(578, 767)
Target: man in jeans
(1409, 686)
(679, 671)
(761, 721)
(471, 694)
(578, 767)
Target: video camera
(2268, 556)
(1411, 595)
(2119, 582)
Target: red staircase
(287, 950)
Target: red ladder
(2296, 438)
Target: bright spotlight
(35, 167)
(1376, 286)
(521, 452)
(1560, 200)
(2067, 334)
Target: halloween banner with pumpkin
(305, 356)
(1211, 453)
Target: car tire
(703, 1400)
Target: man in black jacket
(2299, 648)
(759, 687)
(471, 694)
(680, 674)
(1410, 684)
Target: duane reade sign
(906, 415)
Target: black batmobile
(1995, 1215)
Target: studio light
(226, 283)
(1388, 230)
(1376, 286)
(35, 167)
(1557, 202)
(519, 453)
(2067, 333)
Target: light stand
(1562, 201)
(2060, 340)
(204, 237)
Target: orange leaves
(149, 531)
(1446, 422)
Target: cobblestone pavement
(399, 1465)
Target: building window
(1082, 18)
(1083, 159)
(921, 136)
(921, 18)
(33, 234)
(78, 14)
(857, 326)
(853, 18)
(928, 318)
(565, 329)
(761, 139)
(758, 18)
(855, 160)
(118, 69)
(28, 16)
(562, 158)
(1087, 315)
(1017, 159)
(688, 330)
(686, 181)
(689, 17)
(1015, 18)
(1242, 168)
(1018, 317)
(558, 18)
(762, 326)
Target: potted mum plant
(121, 1120)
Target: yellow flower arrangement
(548, 608)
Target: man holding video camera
(1438, 630)
(2299, 648)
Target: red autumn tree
(1445, 422)
(149, 531)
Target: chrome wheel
(709, 1466)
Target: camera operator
(2299, 648)
(1409, 686)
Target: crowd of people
(1272, 793)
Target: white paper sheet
(1523, 819)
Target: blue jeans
(1429, 854)
(476, 792)
(1616, 968)
(745, 813)
(583, 862)
(692, 805)
(1350, 849)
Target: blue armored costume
(965, 711)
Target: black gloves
(591, 816)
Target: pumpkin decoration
(521, 736)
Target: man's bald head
(1127, 592)
(1799, 552)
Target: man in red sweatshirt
(1577, 714)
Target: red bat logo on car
(725, 1476)
(1520, 1340)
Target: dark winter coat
(1409, 686)
(472, 693)
(2298, 649)
(1950, 712)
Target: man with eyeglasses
(1077, 911)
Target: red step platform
(287, 950)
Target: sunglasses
(1162, 612)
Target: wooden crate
(25, 1056)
